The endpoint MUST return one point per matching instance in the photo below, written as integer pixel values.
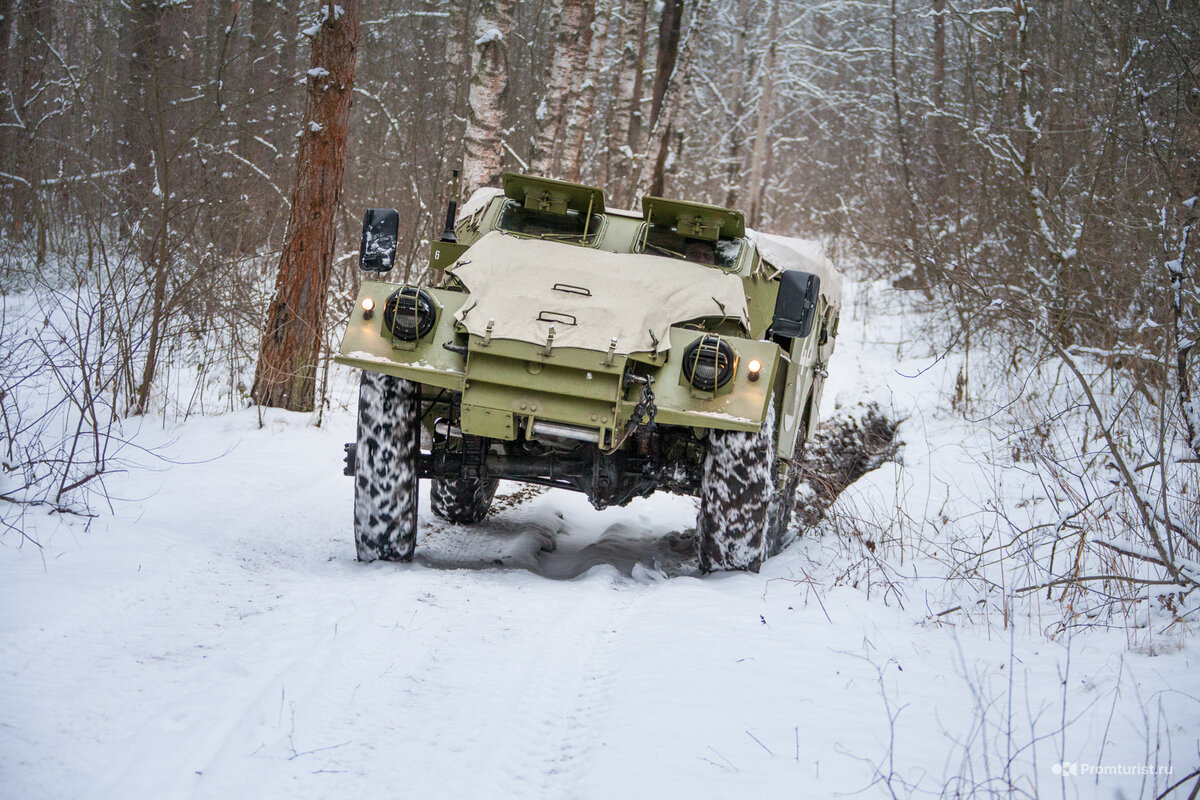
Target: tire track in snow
(562, 710)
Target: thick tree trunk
(456, 30)
(287, 361)
(758, 159)
(571, 45)
(668, 52)
(584, 107)
(6, 151)
(627, 93)
(141, 41)
(652, 176)
(667, 55)
(6, 16)
(28, 99)
(485, 100)
(738, 86)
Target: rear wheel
(463, 501)
(736, 491)
(385, 468)
(782, 504)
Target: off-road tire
(463, 501)
(783, 503)
(385, 468)
(736, 489)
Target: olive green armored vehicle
(608, 352)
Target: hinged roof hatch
(695, 220)
(552, 196)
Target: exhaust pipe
(573, 432)
(442, 427)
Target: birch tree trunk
(572, 43)
(457, 32)
(627, 91)
(758, 159)
(287, 360)
(585, 104)
(485, 99)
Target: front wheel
(385, 468)
(736, 490)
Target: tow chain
(643, 412)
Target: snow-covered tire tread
(385, 479)
(463, 501)
(783, 502)
(736, 491)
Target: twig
(760, 744)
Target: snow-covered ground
(213, 636)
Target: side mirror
(381, 229)
(796, 304)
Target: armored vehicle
(608, 352)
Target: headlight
(409, 313)
(708, 363)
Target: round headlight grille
(409, 313)
(708, 363)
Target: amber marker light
(368, 307)
(753, 369)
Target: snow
(478, 201)
(362, 355)
(488, 35)
(318, 72)
(322, 17)
(315, 127)
(212, 635)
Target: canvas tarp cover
(589, 296)
(806, 255)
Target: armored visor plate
(547, 194)
(697, 220)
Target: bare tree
(287, 364)
(667, 55)
(652, 172)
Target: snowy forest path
(567, 688)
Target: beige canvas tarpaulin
(590, 296)
(806, 255)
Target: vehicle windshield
(569, 227)
(663, 241)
